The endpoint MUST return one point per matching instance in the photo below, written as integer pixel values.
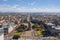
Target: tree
(33, 27)
(23, 27)
(16, 36)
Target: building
(1, 34)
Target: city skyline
(29, 6)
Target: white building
(1, 34)
(11, 28)
(58, 27)
(53, 26)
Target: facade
(1, 34)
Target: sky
(29, 5)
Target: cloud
(15, 8)
(5, 0)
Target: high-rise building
(1, 34)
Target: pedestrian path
(28, 35)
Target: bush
(16, 36)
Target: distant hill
(33, 13)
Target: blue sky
(29, 5)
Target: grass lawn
(39, 32)
(17, 33)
